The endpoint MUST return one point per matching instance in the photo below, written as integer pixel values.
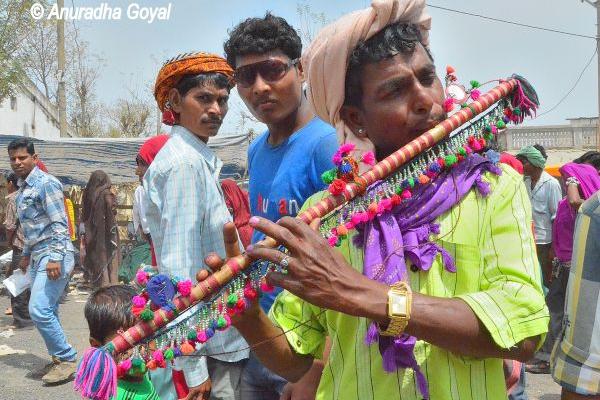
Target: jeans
(43, 305)
(259, 383)
(555, 300)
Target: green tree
(15, 25)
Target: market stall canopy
(72, 160)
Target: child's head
(107, 311)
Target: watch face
(397, 304)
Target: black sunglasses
(270, 70)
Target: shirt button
(414, 268)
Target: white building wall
(29, 113)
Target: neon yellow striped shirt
(497, 275)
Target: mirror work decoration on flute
(175, 316)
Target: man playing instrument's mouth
(393, 100)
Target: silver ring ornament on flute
(176, 316)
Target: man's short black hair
(188, 82)
(398, 38)
(109, 309)
(12, 178)
(542, 150)
(22, 143)
(261, 35)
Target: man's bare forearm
(448, 323)
(271, 346)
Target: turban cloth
(187, 64)
(151, 147)
(326, 60)
(532, 155)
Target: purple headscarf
(564, 223)
(404, 233)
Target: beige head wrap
(326, 60)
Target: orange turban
(186, 64)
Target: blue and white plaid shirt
(186, 211)
(41, 211)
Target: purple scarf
(564, 223)
(403, 233)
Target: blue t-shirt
(282, 177)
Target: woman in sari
(101, 235)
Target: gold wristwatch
(399, 306)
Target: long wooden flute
(232, 267)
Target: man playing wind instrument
(427, 299)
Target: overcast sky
(479, 49)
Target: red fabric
(238, 204)
(40, 164)
(511, 160)
(181, 387)
(151, 147)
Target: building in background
(28, 112)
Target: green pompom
(411, 182)
(487, 128)
(450, 160)
(329, 176)
(232, 299)
(138, 366)
(462, 152)
(517, 111)
(464, 105)
(475, 84)
(147, 314)
(399, 189)
(192, 335)
(169, 354)
(221, 323)
(500, 124)
(489, 137)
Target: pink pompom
(265, 287)
(337, 159)
(356, 219)
(476, 145)
(227, 320)
(449, 104)
(349, 225)
(125, 365)
(386, 204)
(184, 287)
(332, 240)
(406, 194)
(158, 356)
(138, 301)
(346, 148)
(368, 158)
(250, 293)
(475, 93)
(202, 338)
(141, 277)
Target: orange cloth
(186, 64)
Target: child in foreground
(108, 311)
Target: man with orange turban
(185, 208)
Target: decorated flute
(238, 282)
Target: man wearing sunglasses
(286, 162)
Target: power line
(574, 85)
(512, 22)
